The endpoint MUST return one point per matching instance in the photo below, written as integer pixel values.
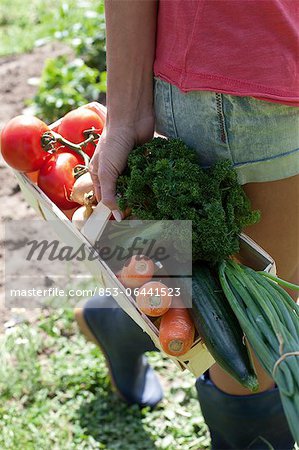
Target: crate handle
(95, 224)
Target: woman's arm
(131, 35)
(131, 31)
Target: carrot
(156, 321)
(176, 332)
(153, 299)
(118, 275)
(137, 271)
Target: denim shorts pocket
(260, 138)
(163, 106)
(263, 138)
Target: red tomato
(56, 178)
(75, 122)
(99, 109)
(21, 143)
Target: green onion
(270, 321)
(284, 283)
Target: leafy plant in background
(87, 36)
(25, 25)
(92, 50)
(65, 86)
(89, 42)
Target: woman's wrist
(128, 117)
(129, 120)
(129, 103)
(139, 129)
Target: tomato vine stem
(50, 138)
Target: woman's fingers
(104, 178)
(109, 160)
(96, 185)
(93, 169)
(108, 179)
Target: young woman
(222, 76)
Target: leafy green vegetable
(163, 181)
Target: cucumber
(217, 324)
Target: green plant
(270, 319)
(65, 86)
(81, 25)
(89, 38)
(86, 34)
(55, 393)
(92, 51)
(164, 181)
(24, 25)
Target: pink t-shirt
(239, 47)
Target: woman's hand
(130, 52)
(111, 156)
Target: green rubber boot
(255, 422)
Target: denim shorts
(259, 137)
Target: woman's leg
(236, 419)
(278, 230)
(261, 139)
(278, 234)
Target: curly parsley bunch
(163, 181)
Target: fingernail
(117, 215)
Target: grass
(25, 24)
(55, 393)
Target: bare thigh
(278, 230)
(278, 234)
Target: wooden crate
(198, 359)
